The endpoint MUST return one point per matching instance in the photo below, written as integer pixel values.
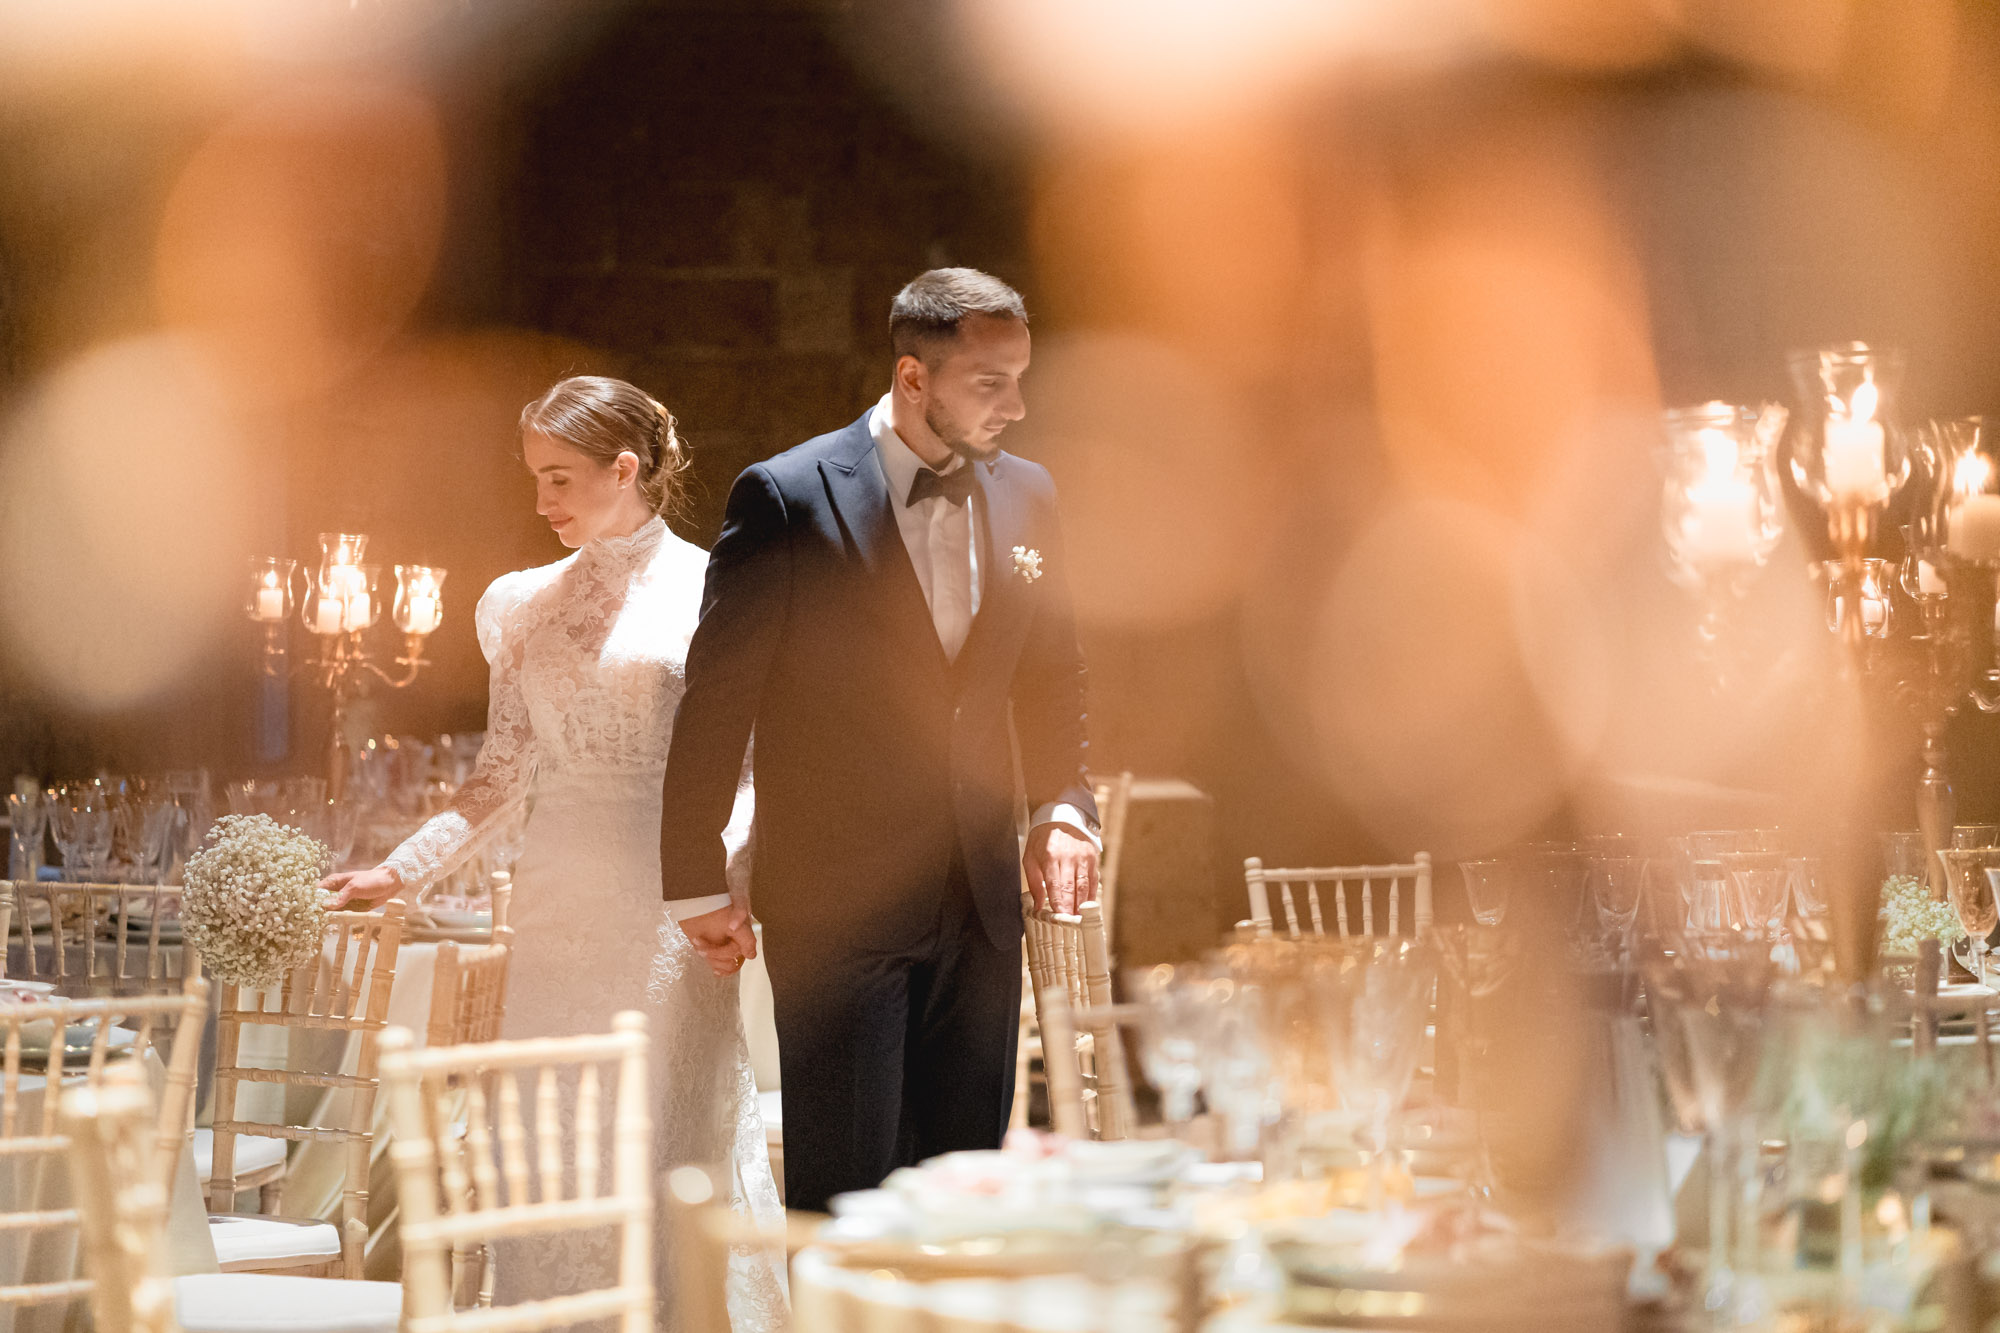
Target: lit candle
(1853, 453)
(326, 615)
(360, 612)
(1972, 528)
(1722, 506)
(270, 603)
(1929, 582)
(424, 613)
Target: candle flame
(1720, 455)
(1970, 474)
(1862, 406)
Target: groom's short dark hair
(927, 311)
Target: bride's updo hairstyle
(601, 418)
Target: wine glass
(1170, 1044)
(1478, 960)
(1761, 881)
(1970, 889)
(1713, 908)
(1486, 890)
(1903, 853)
(1614, 887)
(80, 818)
(1969, 836)
(1374, 998)
(1708, 1008)
(27, 824)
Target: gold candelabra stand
(338, 605)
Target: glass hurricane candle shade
(342, 599)
(1844, 451)
(1720, 510)
(419, 607)
(270, 599)
(1967, 500)
(1875, 600)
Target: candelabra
(339, 604)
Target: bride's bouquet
(252, 903)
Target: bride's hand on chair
(723, 938)
(359, 890)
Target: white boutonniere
(1027, 563)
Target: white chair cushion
(273, 1303)
(241, 1238)
(253, 1153)
(771, 1105)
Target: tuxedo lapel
(1002, 527)
(860, 498)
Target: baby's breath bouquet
(1910, 916)
(252, 906)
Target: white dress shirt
(943, 541)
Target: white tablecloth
(41, 1183)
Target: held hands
(360, 890)
(723, 937)
(1061, 867)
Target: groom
(884, 606)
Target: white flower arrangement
(252, 906)
(1027, 563)
(1910, 915)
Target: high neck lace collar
(630, 549)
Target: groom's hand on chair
(723, 937)
(1061, 866)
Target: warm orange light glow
(298, 239)
(125, 509)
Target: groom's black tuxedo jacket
(876, 757)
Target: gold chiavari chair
(1342, 884)
(345, 990)
(1114, 805)
(458, 1193)
(98, 939)
(468, 1002)
(1070, 957)
(86, 1040)
(122, 1216)
(469, 991)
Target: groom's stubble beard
(953, 436)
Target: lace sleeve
(499, 781)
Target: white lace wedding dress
(587, 662)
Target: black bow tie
(954, 486)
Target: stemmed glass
(1708, 1008)
(1478, 959)
(1373, 999)
(1614, 887)
(1971, 892)
(1486, 890)
(1237, 1069)
(1711, 910)
(1762, 881)
(1170, 1047)
(80, 818)
(27, 823)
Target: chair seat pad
(771, 1105)
(241, 1238)
(273, 1303)
(253, 1154)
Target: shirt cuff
(683, 908)
(1069, 817)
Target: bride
(587, 657)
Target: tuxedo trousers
(891, 1055)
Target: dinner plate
(456, 918)
(77, 1041)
